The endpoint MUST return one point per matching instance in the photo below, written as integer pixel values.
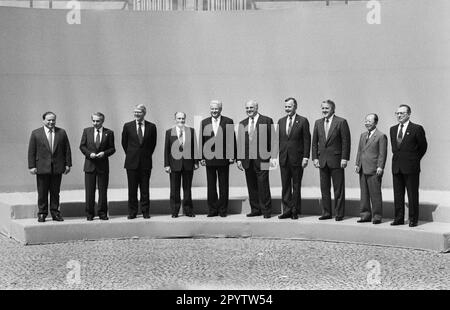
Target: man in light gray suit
(370, 161)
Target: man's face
(251, 109)
(327, 110)
(370, 122)
(50, 121)
(180, 119)
(290, 108)
(139, 115)
(215, 110)
(97, 121)
(402, 115)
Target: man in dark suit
(330, 153)
(180, 152)
(49, 156)
(218, 142)
(370, 161)
(254, 156)
(139, 142)
(409, 145)
(295, 143)
(97, 144)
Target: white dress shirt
(142, 127)
(47, 131)
(405, 125)
(179, 130)
(255, 120)
(329, 124)
(215, 124)
(292, 124)
(96, 132)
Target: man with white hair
(218, 143)
(138, 142)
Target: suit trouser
(139, 178)
(48, 184)
(258, 189)
(411, 183)
(218, 203)
(337, 175)
(91, 181)
(291, 182)
(178, 179)
(370, 185)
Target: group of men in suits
(255, 150)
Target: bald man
(138, 142)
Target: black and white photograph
(224, 151)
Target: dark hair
(293, 99)
(47, 113)
(330, 102)
(408, 108)
(99, 114)
(375, 117)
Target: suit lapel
(57, 138)
(332, 127)
(371, 139)
(294, 125)
(44, 138)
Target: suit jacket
(244, 144)
(296, 146)
(372, 155)
(137, 155)
(40, 156)
(188, 154)
(336, 147)
(406, 158)
(87, 146)
(222, 134)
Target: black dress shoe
(146, 215)
(90, 218)
(131, 217)
(284, 216)
(254, 214)
(339, 218)
(395, 223)
(104, 218)
(412, 224)
(267, 216)
(325, 217)
(376, 222)
(294, 216)
(41, 218)
(58, 218)
(174, 215)
(223, 215)
(363, 220)
(212, 215)
(190, 215)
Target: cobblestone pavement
(220, 264)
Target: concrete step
(434, 205)
(427, 236)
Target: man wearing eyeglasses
(409, 145)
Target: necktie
(50, 139)
(252, 128)
(289, 126)
(180, 139)
(140, 135)
(97, 139)
(368, 136)
(327, 127)
(400, 135)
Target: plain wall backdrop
(173, 61)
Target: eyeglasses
(400, 113)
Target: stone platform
(18, 220)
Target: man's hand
(273, 163)
(92, 155)
(203, 162)
(101, 155)
(343, 164)
(304, 163)
(316, 163)
(379, 171)
(67, 170)
(33, 171)
(357, 169)
(167, 169)
(239, 165)
(231, 161)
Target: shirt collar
(143, 122)
(330, 119)
(405, 125)
(218, 119)
(47, 130)
(101, 129)
(255, 118)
